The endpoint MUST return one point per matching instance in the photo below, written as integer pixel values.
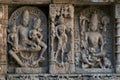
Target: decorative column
(61, 38)
(3, 43)
(117, 15)
(3, 36)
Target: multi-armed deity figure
(94, 52)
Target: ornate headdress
(94, 19)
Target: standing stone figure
(13, 41)
(62, 39)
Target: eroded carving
(93, 30)
(61, 37)
(25, 37)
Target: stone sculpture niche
(61, 40)
(93, 52)
(27, 39)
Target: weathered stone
(62, 35)
(26, 38)
(59, 40)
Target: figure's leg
(58, 50)
(62, 55)
(44, 47)
(13, 54)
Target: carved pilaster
(61, 38)
(3, 25)
(117, 15)
(118, 46)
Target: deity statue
(26, 40)
(23, 31)
(93, 53)
(62, 39)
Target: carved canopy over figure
(27, 40)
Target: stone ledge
(64, 76)
(25, 1)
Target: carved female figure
(62, 39)
(13, 41)
(12, 38)
(36, 37)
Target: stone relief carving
(62, 39)
(93, 40)
(61, 36)
(65, 77)
(26, 39)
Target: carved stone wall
(59, 40)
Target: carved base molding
(31, 70)
(63, 77)
(78, 70)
